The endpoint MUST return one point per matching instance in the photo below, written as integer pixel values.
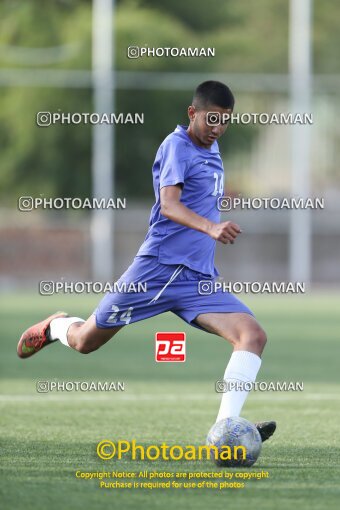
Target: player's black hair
(213, 93)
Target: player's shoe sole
(35, 337)
(266, 429)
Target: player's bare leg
(248, 339)
(240, 329)
(85, 337)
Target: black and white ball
(233, 432)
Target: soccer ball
(230, 433)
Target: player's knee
(261, 338)
(254, 339)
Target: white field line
(130, 397)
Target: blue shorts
(170, 288)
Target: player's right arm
(172, 208)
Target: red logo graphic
(170, 347)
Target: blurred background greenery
(45, 65)
(249, 37)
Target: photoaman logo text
(108, 450)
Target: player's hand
(225, 232)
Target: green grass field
(46, 438)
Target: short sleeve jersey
(200, 172)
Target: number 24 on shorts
(124, 316)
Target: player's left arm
(172, 208)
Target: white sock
(59, 328)
(242, 367)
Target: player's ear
(191, 112)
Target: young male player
(178, 253)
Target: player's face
(207, 125)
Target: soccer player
(178, 254)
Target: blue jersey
(200, 171)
